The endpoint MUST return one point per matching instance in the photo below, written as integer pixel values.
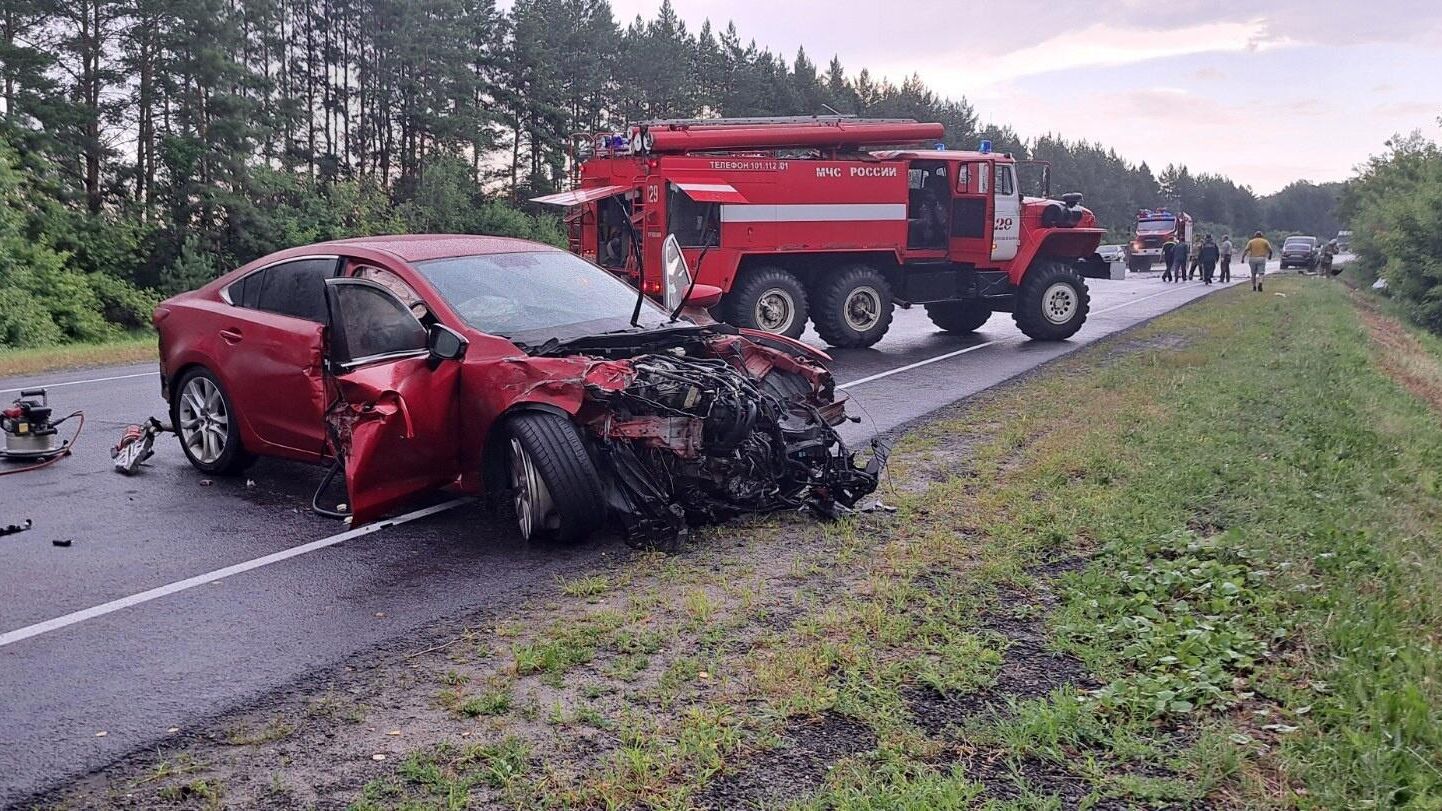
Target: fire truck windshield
(1156, 226)
(531, 297)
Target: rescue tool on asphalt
(827, 219)
(505, 367)
(32, 434)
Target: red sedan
(503, 366)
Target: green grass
(1253, 507)
(138, 347)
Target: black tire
(853, 308)
(958, 316)
(1043, 312)
(1139, 265)
(206, 420)
(573, 505)
(769, 299)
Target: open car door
(394, 425)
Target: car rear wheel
(207, 424)
(769, 299)
(1052, 303)
(555, 489)
(853, 308)
(958, 316)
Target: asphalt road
(138, 627)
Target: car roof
(421, 247)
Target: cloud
(1094, 46)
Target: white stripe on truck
(828, 212)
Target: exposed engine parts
(716, 428)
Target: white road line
(1137, 301)
(78, 382)
(908, 367)
(20, 634)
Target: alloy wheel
(532, 499)
(204, 420)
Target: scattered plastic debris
(62, 542)
(11, 529)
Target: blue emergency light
(985, 146)
(940, 147)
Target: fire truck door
(971, 215)
(1006, 216)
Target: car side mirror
(704, 296)
(444, 343)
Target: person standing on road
(1168, 248)
(1256, 254)
(1179, 261)
(1226, 258)
(1207, 257)
(1194, 270)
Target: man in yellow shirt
(1256, 254)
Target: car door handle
(231, 335)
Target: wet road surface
(136, 662)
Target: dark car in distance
(1300, 252)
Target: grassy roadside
(1192, 566)
(137, 347)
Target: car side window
(296, 289)
(246, 291)
(371, 322)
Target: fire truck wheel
(207, 424)
(1052, 303)
(853, 308)
(1139, 265)
(958, 316)
(555, 489)
(769, 299)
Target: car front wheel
(208, 427)
(555, 489)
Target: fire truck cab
(1153, 230)
(827, 219)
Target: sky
(1263, 91)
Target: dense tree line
(1394, 206)
(148, 145)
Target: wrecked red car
(504, 367)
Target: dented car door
(394, 423)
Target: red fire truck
(1153, 230)
(835, 219)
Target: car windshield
(533, 296)
(1155, 226)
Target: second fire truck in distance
(826, 219)
(1153, 230)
